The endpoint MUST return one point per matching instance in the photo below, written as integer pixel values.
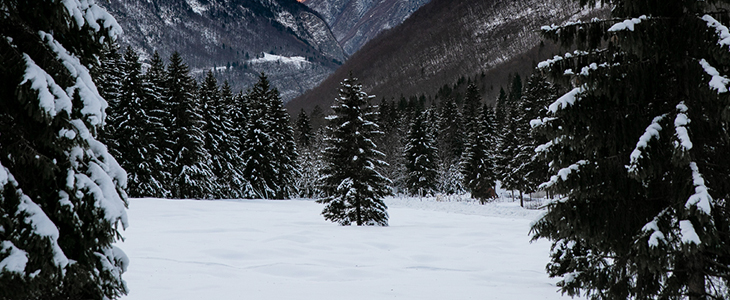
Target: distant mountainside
(240, 38)
(355, 22)
(447, 39)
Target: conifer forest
(600, 172)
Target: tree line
(179, 138)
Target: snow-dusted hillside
(355, 22)
(183, 249)
(215, 33)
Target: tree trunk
(522, 203)
(696, 282)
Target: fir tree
(258, 146)
(134, 123)
(639, 145)
(528, 166)
(421, 158)
(303, 130)
(108, 78)
(509, 142)
(192, 176)
(62, 199)
(450, 148)
(157, 108)
(353, 186)
(284, 146)
(232, 177)
(477, 165)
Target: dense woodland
(630, 130)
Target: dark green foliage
(62, 201)
(477, 165)
(510, 142)
(353, 187)
(258, 147)
(421, 158)
(285, 150)
(192, 176)
(303, 130)
(640, 147)
(529, 167)
(134, 122)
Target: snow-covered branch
(627, 24)
(566, 100)
(680, 128)
(563, 174)
(723, 34)
(651, 132)
(718, 82)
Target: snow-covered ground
(240, 249)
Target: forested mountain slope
(355, 22)
(233, 36)
(448, 39)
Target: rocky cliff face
(239, 38)
(355, 22)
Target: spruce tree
(192, 176)
(257, 149)
(303, 130)
(353, 186)
(421, 157)
(282, 135)
(639, 148)
(158, 109)
(477, 165)
(219, 145)
(134, 123)
(529, 167)
(228, 110)
(62, 199)
(450, 148)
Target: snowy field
(182, 249)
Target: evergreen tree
(62, 199)
(284, 146)
(310, 162)
(192, 176)
(303, 130)
(501, 110)
(132, 137)
(421, 158)
(107, 77)
(450, 148)
(528, 166)
(477, 165)
(229, 110)
(258, 146)
(353, 186)
(639, 145)
(158, 109)
(220, 143)
(509, 142)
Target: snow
(651, 132)
(196, 6)
(689, 235)
(52, 99)
(87, 12)
(701, 198)
(723, 33)
(294, 60)
(568, 99)
(627, 24)
(718, 82)
(15, 261)
(183, 249)
(680, 127)
(564, 173)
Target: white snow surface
(723, 34)
(566, 100)
(718, 82)
(689, 235)
(298, 61)
(15, 261)
(257, 249)
(626, 24)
